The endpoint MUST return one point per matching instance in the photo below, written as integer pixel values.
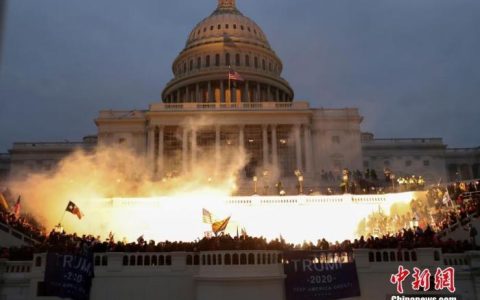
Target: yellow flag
(3, 202)
(220, 225)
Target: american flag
(232, 75)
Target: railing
(230, 106)
(410, 141)
(17, 234)
(52, 145)
(463, 150)
(273, 200)
(402, 255)
(18, 267)
(456, 259)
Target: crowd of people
(62, 242)
(423, 225)
(438, 211)
(25, 224)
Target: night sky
(411, 66)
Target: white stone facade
(234, 275)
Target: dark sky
(411, 66)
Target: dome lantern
(226, 4)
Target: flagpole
(229, 89)
(61, 219)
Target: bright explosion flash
(295, 218)
(105, 185)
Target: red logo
(444, 279)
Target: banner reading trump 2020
(69, 276)
(318, 275)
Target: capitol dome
(227, 41)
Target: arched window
(104, 260)
(168, 260)
(125, 260)
(385, 256)
(237, 59)
(235, 259)
(243, 259)
(217, 60)
(256, 62)
(147, 260)
(154, 260)
(227, 59)
(191, 65)
(371, 257)
(399, 256)
(247, 60)
(184, 67)
(228, 260)
(132, 260)
(263, 65)
(140, 260)
(196, 260)
(199, 62)
(161, 260)
(251, 259)
(207, 61)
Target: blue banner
(309, 277)
(69, 276)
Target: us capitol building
(202, 113)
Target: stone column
(217, 147)
(151, 147)
(298, 146)
(194, 148)
(269, 93)
(160, 161)
(241, 137)
(308, 149)
(246, 96)
(184, 150)
(197, 93)
(209, 94)
(258, 96)
(265, 145)
(178, 96)
(274, 146)
(222, 92)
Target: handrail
(17, 234)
